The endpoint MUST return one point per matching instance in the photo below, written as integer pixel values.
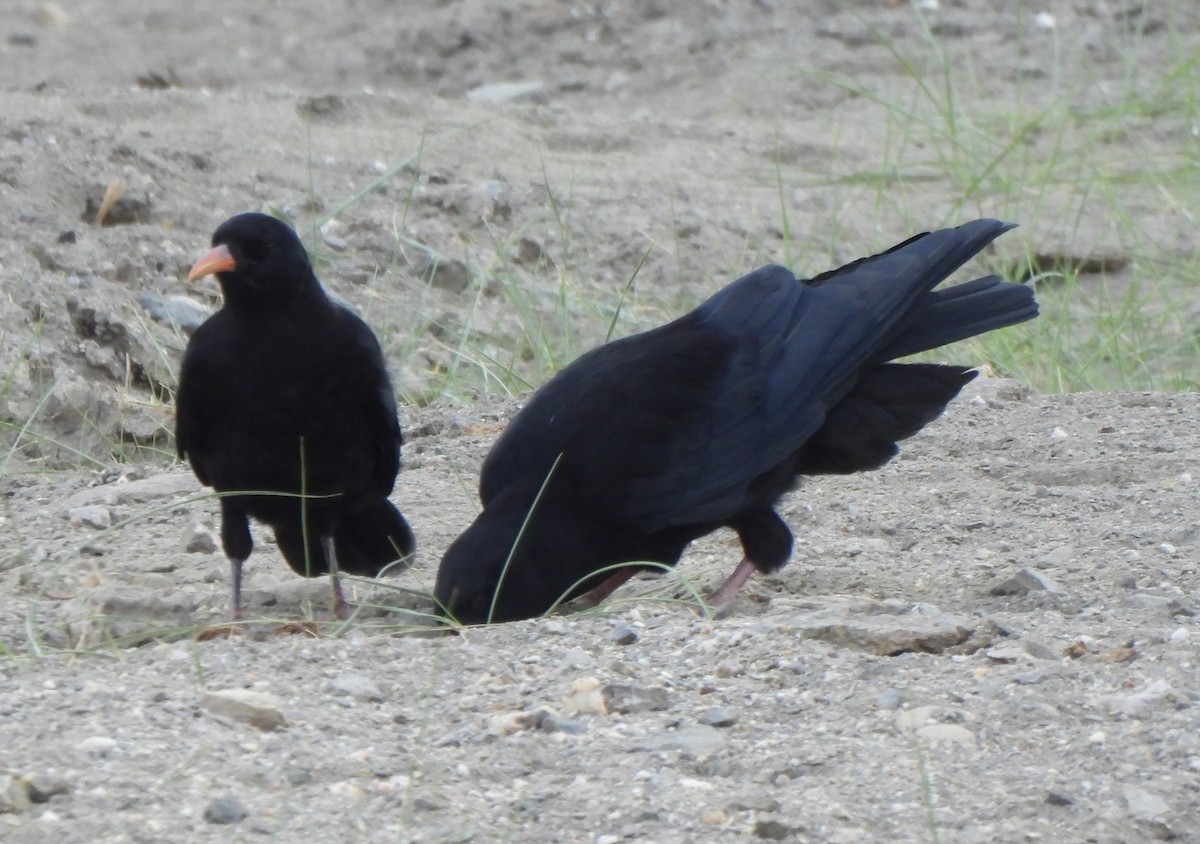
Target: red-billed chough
(285, 408)
(649, 442)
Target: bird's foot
(733, 584)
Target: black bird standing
(285, 407)
(646, 443)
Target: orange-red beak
(219, 260)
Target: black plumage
(285, 407)
(651, 441)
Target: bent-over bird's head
(256, 258)
(488, 576)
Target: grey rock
(42, 787)
(358, 687)
(529, 251)
(122, 337)
(698, 741)
(187, 313)
(1140, 703)
(1039, 651)
(226, 809)
(888, 699)
(1025, 581)
(1007, 653)
(543, 718)
(912, 719)
(718, 717)
(14, 799)
(198, 538)
(714, 766)
(124, 615)
(623, 635)
(94, 516)
(297, 776)
(773, 829)
(1059, 798)
(322, 106)
(446, 274)
(97, 746)
(258, 709)
(1145, 805)
(330, 237)
(1163, 605)
(499, 93)
(1057, 557)
(881, 627)
(626, 699)
(142, 491)
(578, 659)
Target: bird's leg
(235, 573)
(341, 609)
(766, 542)
(733, 583)
(237, 544)
(595, 597)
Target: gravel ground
(993, 639)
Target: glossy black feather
(648, 442)
(283, 391)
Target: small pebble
(198, 538)
(358, 687)
(42, 787)
(583, 697)
(225, 810)
(888, 699)
(627, 699)
(1045, 20)
(623, 635)
(718, 717)
(258, 709)
(773, 829)
(95, 516)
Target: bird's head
(257, 259)
(496, 572)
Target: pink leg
(341, 609)
(733, 583)
(595, 597)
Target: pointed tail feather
(372, 538)
(887, 404)
(367, 541)
(956, 313)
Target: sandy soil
(992, 639)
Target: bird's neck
(298, 295)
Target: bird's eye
(256, 250)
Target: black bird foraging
(284, 407)
(649, 442)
